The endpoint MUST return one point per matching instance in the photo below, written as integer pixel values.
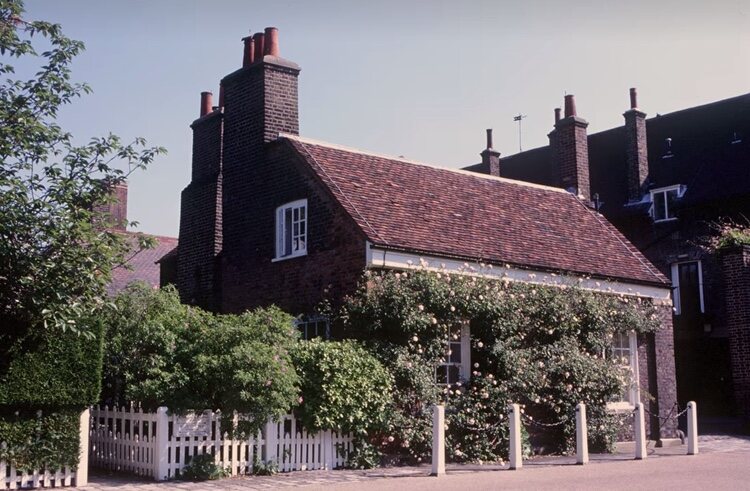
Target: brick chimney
(114, 213)
(490, 157)
(636, 148)
(570, 151)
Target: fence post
(328, 450)
(82, 471)
(438, 440)
(582, 435)
(271, 441)
(514, 419)
(161, 449)
(692, 427)
(640, 432)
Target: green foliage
(52, 368)
(38, 439)
(160, 352)
(55, 258)
(363, 456)
(541, 347)
(265, 468)
(203, 468)
(345, 388)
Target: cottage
(272, 217)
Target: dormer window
(291, 230)
(664, 201)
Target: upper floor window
(664, 201)
(687, 280)
(624, 351)
(456, 364)
(291, 229)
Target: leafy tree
(55, 255)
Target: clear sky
(422, 79)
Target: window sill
(291, 256)
(666, 220)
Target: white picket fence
(12, 478)
(160, 444)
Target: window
(455, 367)
(624, 350)
(663, 202)
(291, 229)
(687, 295)
(313, 326)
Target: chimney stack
(271, 47)
(636, 148)
(259, 49)
(490, 157)
(206, 103)
(248, 54)
(570, 151)
(557, 115)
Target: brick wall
(636, 150)
(335, 247)
(736, 269)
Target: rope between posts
(532, 421)
(669, 416)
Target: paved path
(723, 463)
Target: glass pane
(287, 231)
(296, 214)
(671, 201)
(455, 353)
(441, 374)
(660, 212)
(453, 374)
(690, 297)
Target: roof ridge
(606, 224)
(344, 148)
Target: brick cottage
(271, 217)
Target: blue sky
(422, 79)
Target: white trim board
(388, 259)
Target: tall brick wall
(200, 216)
(736, 269)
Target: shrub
(537, 346)
(160, 352)
(35, 439)
(203, 468)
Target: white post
(582, 435)
(161, 449)
(438, 440)
(692, 427)
(640, 432)
(328, 450)
(271, 441)
(514, 419)
(82, 471)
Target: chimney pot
(633, 98)
(206, 103)
(557, 115)
(258, 40)
(570, 105)
(489, 138)
(248, 55)
(271, 42)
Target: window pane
(660, 212)
(453, 372)
(455, 353)
(690, 300)
(671, 200)
(441, 374)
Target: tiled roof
(452, 213)
(143, 265)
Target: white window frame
(464, 367)
(676, 302)
(634, 391)
(281, 229)
(303, 325)
(652, 211)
